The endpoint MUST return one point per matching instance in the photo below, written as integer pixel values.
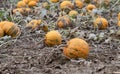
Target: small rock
(118, 33)
(108, 40)
(92, 36)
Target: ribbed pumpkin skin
(10, 29)
(1, 32)
(63, 22)
(53, 38)
(101, 23)
(76, 48)
(14, 31)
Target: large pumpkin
(100, 23)
(53, 38)
(76, 48)
(10, 29)
(1, 32)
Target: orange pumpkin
(76, 48)
(10, 29)
(118, 23)
(90, 7)
(66, 5)
(63, 21)
(33, 24)
(18, 10)
(53, 38)
(73, 13)
(22, 10)
(54, 1)
(26, 1)
(46, 5)
(78, 4)
(34, 0)
(1, 32)
(32, 3)
(100, 23)
(44, 27)
(21, 4)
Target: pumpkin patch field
(59, 36)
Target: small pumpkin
(43, 26)
(1, 32)
(46, 5)
(18, 10)
(54, 1)
(78, 3)
(119, 16)
(32, 3)
(22, 10)
(100, 23)
(63, 21)
(53, 38)
(73, 13)
(21, 4)
(90, 7)
(10, 29)
(66, 5)
(76, 48)
(33, 24)
(119, 23)
(27, 10)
